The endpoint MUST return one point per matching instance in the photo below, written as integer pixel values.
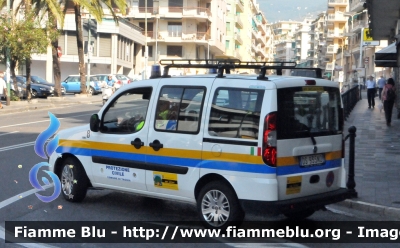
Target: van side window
(179, 109)
(127, 114)
(235, 113)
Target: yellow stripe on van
(167, 152)
(288, 161)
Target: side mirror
(94, 123)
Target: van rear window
(308, 110)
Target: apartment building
(181, 29)
(359, 60)
(316, 53)
(235, 19)
(302, 44)
(284, 44)
(114, 48)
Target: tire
(91, 91)
(218, 201)
(301, 215)
(71, 170)
(34, 93)
(104, 101)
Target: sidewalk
(377, 153)
(49, 103)
(377, 160)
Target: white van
(229, 143)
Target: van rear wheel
(300, 215)
(218, 205)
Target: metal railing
(350, 99)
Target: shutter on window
(72, 47)
(105, 45)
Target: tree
(52, 9)
(22, 35)
(95, 8)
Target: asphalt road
(18, 202)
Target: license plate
(312, 160)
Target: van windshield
(308, 110)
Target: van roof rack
(228, 64)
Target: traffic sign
(366, 60)
(367, 35)
(371, 43)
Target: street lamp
(8, 63)
(145, 40)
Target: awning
(386, 57)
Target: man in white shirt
(371, 92)
(381, 84)
(3, 88)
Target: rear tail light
(129, 81)
(118, 82)
(269, 140)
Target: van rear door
(309, 140)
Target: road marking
(33, 122)
(6, 148)
(9, 133)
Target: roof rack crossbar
(227, 65)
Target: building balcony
(329, 67)
(356, 5)
(333, 3)
(239, 6)
(238, 22)
(357, 26)
(238, 39)
(337, 18)
(237, 54)
(179, 36)
(198, 13)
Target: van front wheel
(218, 205)
(301, 215)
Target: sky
(295, 10)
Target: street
(18, 202)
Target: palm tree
(95, 8)
(55, 14)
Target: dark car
(39, 80)
(37, 90)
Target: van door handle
(156, 145)
(137, 143)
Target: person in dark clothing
(371, 92)
(388, 103)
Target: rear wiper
(312, 139)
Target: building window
(150, 50)
(227, 44)
(174, 29)
(228, 27)
(174, 51)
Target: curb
(371, 208)
(42, 105)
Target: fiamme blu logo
(45, 145)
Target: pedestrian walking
(371, 92)
(381, 84)
(388, 98)
(3, 88)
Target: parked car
(21, 87)
(37, 90)
(39, 80)
(120, 79)
(72, 84)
